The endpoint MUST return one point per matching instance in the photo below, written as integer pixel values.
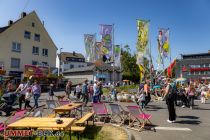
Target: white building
(71, 60)
(25, 41)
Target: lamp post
(59, 66)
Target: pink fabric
(18, 115)
(63, 102)
(135, 111)
(99, 108)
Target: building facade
(71, 61)
(104, 72)
(25, 41)
(194, 66)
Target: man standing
(85, 92)
(147, 93)
(169, 96)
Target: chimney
(23, 14)
(74, 54)
(10, 22)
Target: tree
(129, 66)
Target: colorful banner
(141, 72)
(98, 51)
(163, 42)
(106, 33)
(89, 40)
(143, 31)
(36, 71)
(117, 52)
(140, 58)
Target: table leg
(81, 111)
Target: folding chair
(100, 110)
(38, 111)
(62, 102)
(138, 114)
(13, 118)
(51, 104)
(118, 112)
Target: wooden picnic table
(42, 122)
(68, 108)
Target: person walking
(147, 93)
(78, 91)
(90, 91)
(28, 98)
(51, 91)
(85, 92)
(23, 89)
(96, 92)
(68, 88)
(100, 91)
(191, 94)
(36, 90)
(170, 101)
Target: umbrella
(181, 79)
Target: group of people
(86, 91)
(26, 91)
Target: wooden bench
(85, 118)
(73, 128)
(51, 115)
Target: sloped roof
(105, 67)
(3, 29)
(72, 55)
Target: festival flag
(142, 26)
(163, 42)
(89, 40)
(106, 33)
(141, 72)
(98, 51)
(117, 52)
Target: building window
(44, 63)
(45, 52)
(27, 35)
(37, 37)
(35, 62)
(35, 50)
(16, 47)
(33, 24)
(15, 63)
(71, 66)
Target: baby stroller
(7, 102)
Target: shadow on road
(193, 122)
(189, 117)
(198, 108)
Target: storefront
(194, 66)
(16, 76)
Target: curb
(130, 135)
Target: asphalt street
(190, 124)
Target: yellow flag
(141, 72)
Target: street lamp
(59, 66)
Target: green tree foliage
(129, 66)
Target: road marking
(173, 128)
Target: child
(28, 98)
(203, 93)
(142, 100)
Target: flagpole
(113, 53)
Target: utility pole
(59, 66)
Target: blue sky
(67, 21)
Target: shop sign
(199, 69)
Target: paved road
(191, 124)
